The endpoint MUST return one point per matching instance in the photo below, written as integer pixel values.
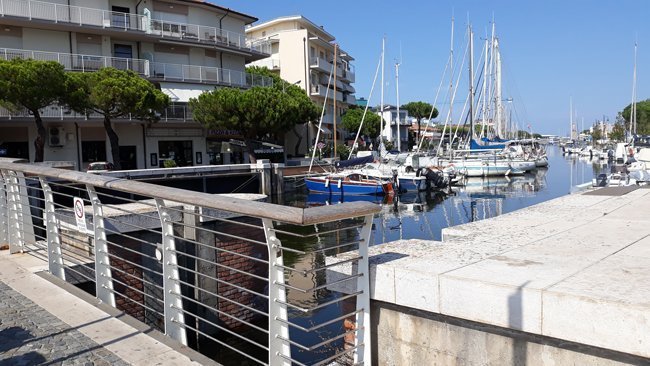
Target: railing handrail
(287, 214)
(241, 74)
(17, 50)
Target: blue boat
(349, 184)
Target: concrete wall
(404, 336)
(46, 40)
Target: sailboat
(344, 182)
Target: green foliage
(351, 121)
(597, 134)
(114, 93)
(32, 85)
(521, 134)
(170, 163)
(642, 117)
(618, 132)
(420, 110)
(537, 136)
(257, 112)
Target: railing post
(29, 9)
(54, 256)
(127, 64)
(20, 226)
(125, 24)
(279, 348)
(362, 353)
(173, 302)
(103, 276)
(56, 18)
(2, 7)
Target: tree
(113, 94)
(351, 121)
(305, 110)
(32, 85)
(618, 132)
(420, 110)
(642, 117)
(597, 134)
(255, 113)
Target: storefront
(226, 147)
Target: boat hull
(340, 186)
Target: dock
(565, 281)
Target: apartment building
(184, 46)
(302, 53)
(389, 132)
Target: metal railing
(173, 113)
(77, 62)
(84, 16)
(241, 281)
(207, 74)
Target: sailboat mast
(335, 91)
(451, 81)
(485, 78)
(571, 118)
(399, 139)
(381, 101)
(497, 89)
(633, 105)
(471, 83)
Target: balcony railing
(350, 99)
(321, 91)
(246, 279)
(320, 63)
(173, 113)
(80, 63)
(83, 16)
(206, 74)
(270, 63)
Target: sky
(553, 51)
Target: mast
(497, 90)
(451, 81)
(471, 83)
(399, 139)
(381, 102)
(334, 111)
(633, 105)
(485, 77)
(571, 118)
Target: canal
(419, 216)
(423, 215)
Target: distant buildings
(185, 46)
(390, 125)
(302, 53)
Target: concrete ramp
(611, 191)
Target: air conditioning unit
(56, 136)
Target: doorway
(128, 157)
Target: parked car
(100, 166)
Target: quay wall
(407, 336)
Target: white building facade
(184, 46)
(391, 124)
(303, 53)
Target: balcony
(79, 63)
(173, 113)
(320, 91)
(153, 70)
(320, 64)
(82, 16)
(270, 63)
(206, 74)
(350, 99)
(348, 75)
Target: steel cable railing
(240, 281)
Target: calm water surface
(423, 215)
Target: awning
(183, 93)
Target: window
(179, 151)
(263, 33)
(312, 51)
(92, 151)
(120, 17)
(122, 50)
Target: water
(423, 215)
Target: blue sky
(552, 50)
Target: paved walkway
(44, 324)
(29, 335)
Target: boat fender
(339, 184)
(327, 183)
